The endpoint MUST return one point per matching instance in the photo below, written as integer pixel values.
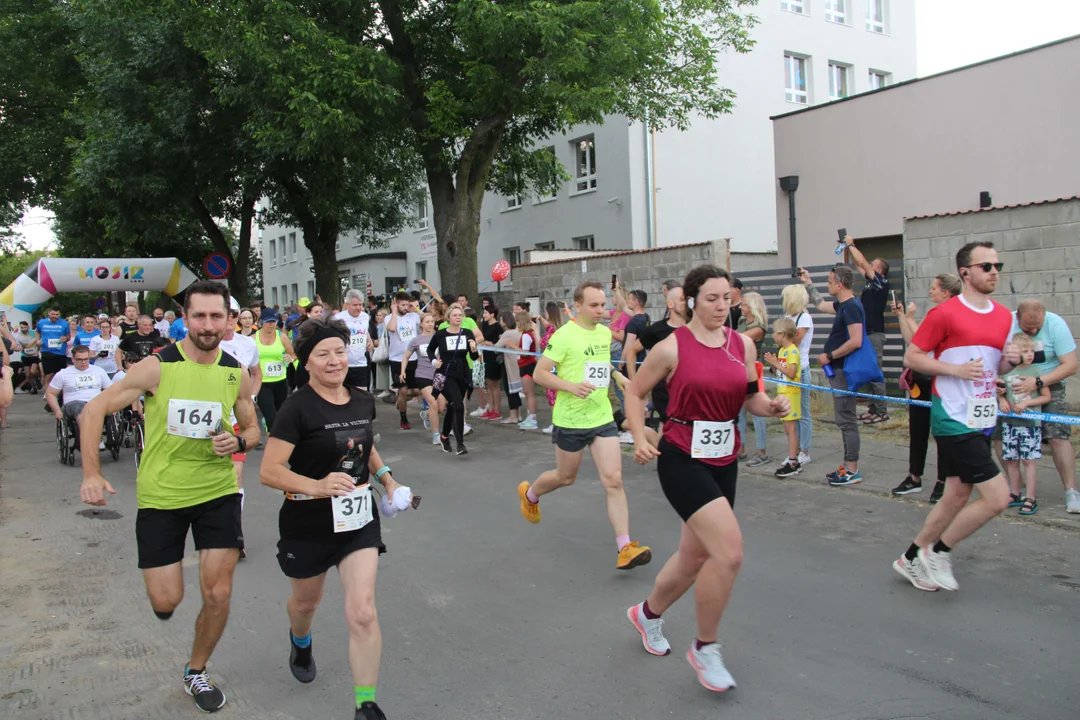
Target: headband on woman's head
(323, 332)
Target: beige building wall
(1007, 126)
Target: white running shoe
(709, 665)
(626, 438)
(549, 429)
(478, 412)
(938, 567)
(804, 458)
(101, 445)
(529, 424)
(652, 635)
(468, 430)
(435, 439)
(914, 572)
(426, 420)
(1072, 501)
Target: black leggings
(454, 392)
(919, 430)
(270, 398)
(513, 398)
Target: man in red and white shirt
(963, 343)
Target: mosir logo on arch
(133, 273)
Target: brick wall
(1039, 244)
(637, 270)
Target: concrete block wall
(1039, 244)
(637, 270)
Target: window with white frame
(878, 79)
(512, 255)
(585, 242)
(292, 246)
(273, 253)
(421, 212)
(285, 294)
(795, 6)
(421, 270)
(838, 80)
(836, 11)
(513, 202)
(585, 164)
(311, 288)
(875, 15)
(295, 292)
(273, 294)
(795, 79)
(550, 245)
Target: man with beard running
(186, 478)
(960, 343)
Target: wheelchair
(139, 440)
(67, 438)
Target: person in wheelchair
(79, 383)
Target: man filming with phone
(875, 298)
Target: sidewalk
(884, 464)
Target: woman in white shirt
(796, 301)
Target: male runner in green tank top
(186, 478)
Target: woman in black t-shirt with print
(321, 454)
(447, 351)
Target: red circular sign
(500, 271)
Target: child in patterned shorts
(1021, 440)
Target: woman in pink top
(711, 375)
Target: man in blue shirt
(53, 333)
(1055, 356)
(87, 331)
(178, 330)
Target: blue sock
(425, 405)
(301, 642)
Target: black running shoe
(446, 445)
(788, 469)
(462, 450)
(301, 661)
(198, 685)
(907, 487)
(369, 711)
(937, 492)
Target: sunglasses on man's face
(987, 267)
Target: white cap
(233, 305)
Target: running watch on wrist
(829, 355)
(241, 444)
(1039, 384)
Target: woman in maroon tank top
(711, 375)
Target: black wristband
(241, 444)
(751, 388)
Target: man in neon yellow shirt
(582, 418)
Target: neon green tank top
(179, 468)
(271, 359)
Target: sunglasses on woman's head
(987, 266)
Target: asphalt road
(486, 616)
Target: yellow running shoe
(632, 555)
(531, 510)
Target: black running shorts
(162, 534)
(301, 559)
(690, 484)
(395, 374)
(52, 364)
(359, 377)
(967, 457)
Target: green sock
(364, 693)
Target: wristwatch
(829, 355)
(1038, 384)
(241, 444)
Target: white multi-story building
(631, 188)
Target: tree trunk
(238, 276)
(457, 227)
(321, 240)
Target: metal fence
(771, 283)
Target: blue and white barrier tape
(1044, 417)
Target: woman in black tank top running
(711, 374)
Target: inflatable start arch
(50, 275)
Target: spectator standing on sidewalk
(753, 324)
(1055, 356)
(875, 298)
(944, 287)
(845, 338)
(795, 302)
(735, 313)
